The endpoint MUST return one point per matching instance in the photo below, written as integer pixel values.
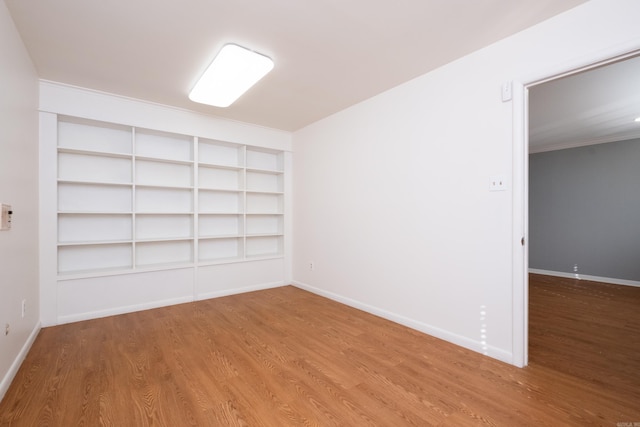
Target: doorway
(562, 124)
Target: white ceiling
(590, 107)
(329, 54)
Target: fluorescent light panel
(233, 71)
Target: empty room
(344, 238)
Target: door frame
(520, 170)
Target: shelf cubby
(163, 200)
(264, 182)
(161, 145)
(164, 252)
(262, 225)
(220, 201)
(264, 246)
(262, 159)
(218, 250)
(83, 197)
(163, 174)
(94, 257)
(163, 226)
(88, 135)
(76, 227)
(220, 178)
(220, 153)
(220, 225)
(264, 203)
(84, 167)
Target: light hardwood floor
(285, 357)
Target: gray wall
(584, 209)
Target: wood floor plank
(286, 357)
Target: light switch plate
(497, 183)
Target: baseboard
(121, 310)
(585, 277)
(78, 317)
(477, 346)
(13, 369)
(234, 291)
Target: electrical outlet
(311, 266)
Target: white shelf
(94, 153)
(218, 166)
(94, 243)
(275, 193)
(222, 236)
(165, 239)
(162, 160)
(133, 200)
(168, 187)
(96, 183)
(220, 190)
(61, 213)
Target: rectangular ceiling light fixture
(233, 71)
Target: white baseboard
(585, 277)
(121, 310)
(13, 369)
(234, 291)
(477, 346)
(162, 303)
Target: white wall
(19, 188)
(392, 200)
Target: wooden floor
(285, 357)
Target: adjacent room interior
(583, 231)
(340, 245)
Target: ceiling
(594, 106)
(328, 54)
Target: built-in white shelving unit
(132, 199)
